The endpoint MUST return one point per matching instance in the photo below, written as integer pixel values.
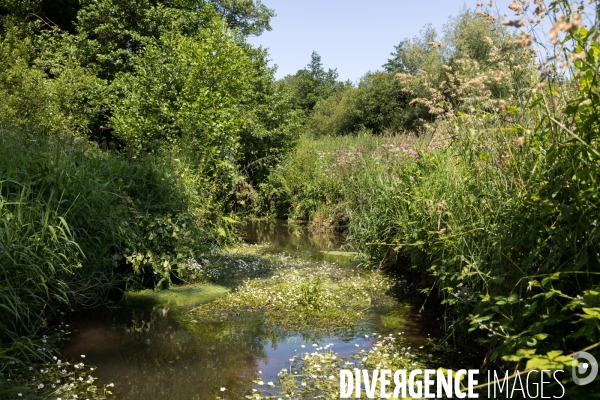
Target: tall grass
(78, 223)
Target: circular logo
(584, 363)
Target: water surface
(141, 348)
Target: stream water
(140, 347)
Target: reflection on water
(296, 241)
(142, 350)
(145, 353)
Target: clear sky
(353, 36)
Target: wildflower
(520, 141)
(41, 386)
(223, 389)
(260, 383)
(270, 383)
(517, 23)
(515, 6)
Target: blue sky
(353, 36)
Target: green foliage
(77, 223)
(412, 55)
(311, 291)
(56, 98)
(184, 90)
(212, 98)
(109, 33)
(379, 104)
(272, 123)
(248, 16)
(313, 83)
(314, 179)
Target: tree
(313, 83)
(379, 104)
(470, 35)
(411, 55)
(210, 95)
(110, 33)
(249, 16)
(185, 92)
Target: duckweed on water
(290, 293)
(316, 375)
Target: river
(140, 348)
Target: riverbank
(488, 224)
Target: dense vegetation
(130, 131)
(135, 133)
(491, 205)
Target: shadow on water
(142, 349)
